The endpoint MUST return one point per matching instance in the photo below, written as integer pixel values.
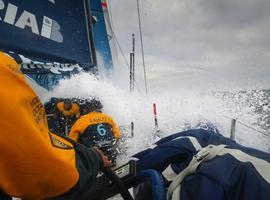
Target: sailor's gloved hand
(106, 162)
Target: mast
(132, 65)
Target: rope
(140, 27)
(118, 44)
(110, 14)
(247, 125)
(250, 127)
(114, 36)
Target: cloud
(214, 42)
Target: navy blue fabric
(71, 45)
(101, 37)
(223, 177)
(66, 40)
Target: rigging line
(140, 27)
(136, 84)
(110, 14)
(119, 46)
(254, 129)
(248, 126)
(117, 42)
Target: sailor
(95, 128)
(67, 112)
(35, 163)
(68, 108)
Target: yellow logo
(58, 143)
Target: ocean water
(176, 111)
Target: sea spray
(177, 110)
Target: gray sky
(218, 44)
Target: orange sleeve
(34, 163)
(77, 128)
(76, 109)
(74, 135)
(60, 106)
(29, 160)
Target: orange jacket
(90, 119)
(73, 111)
(34, 163)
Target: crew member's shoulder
(6, 61)
(102, 115)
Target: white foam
(174, 110)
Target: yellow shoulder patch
(58, 143)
